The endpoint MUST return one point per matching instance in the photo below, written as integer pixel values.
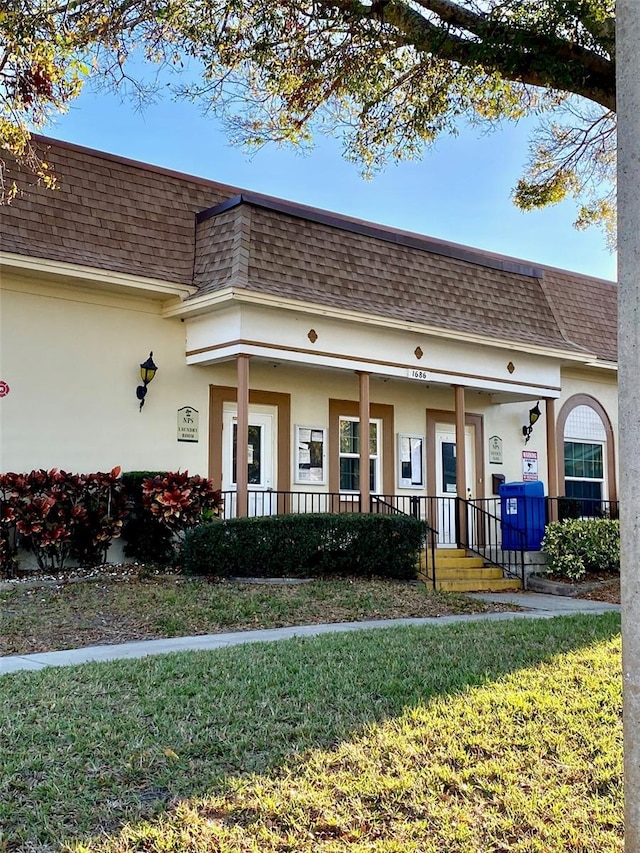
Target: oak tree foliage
(388, 76)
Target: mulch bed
(593, 587)
(608, 590)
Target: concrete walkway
(539, 607)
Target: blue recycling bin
(523, 513)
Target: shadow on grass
(88, 749)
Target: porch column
(552, 457)
(242, 454)
(461, 464)
(365, 495)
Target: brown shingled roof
(587, 309)
(116, 214)
(110, 213)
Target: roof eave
(199, 305)
(78, 275)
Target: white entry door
(261, 459)
(447, 481)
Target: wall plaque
(495, 450)
(188, 424)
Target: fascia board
(213, 301)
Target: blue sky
(459, 191)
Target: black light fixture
(147, 372)
(534, 414)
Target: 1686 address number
(414, 373)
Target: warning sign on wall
(529, 464)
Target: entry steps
(458, 571)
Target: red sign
(4, 389)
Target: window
(584, 459)
(350, 454)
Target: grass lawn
(115, 611)
(476, 738)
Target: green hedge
(306, 545)
(577, 546)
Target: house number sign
(414, 373)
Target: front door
(261, 459)
(446, 478)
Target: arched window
(585, 439)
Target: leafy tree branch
(389, 76)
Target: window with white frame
(585, 441)
(350, 454)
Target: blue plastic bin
(523, 515)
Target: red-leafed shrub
(13, 487)
(103, 509)
(56, 515)
(179, 502)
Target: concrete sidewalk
(539, 607)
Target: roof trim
(379, 232)
(106, 279)
(234, 294)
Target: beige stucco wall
(603, 386)
(71, 356)
(71, 359)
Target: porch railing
(559, 509)
(474, 524)
(282, 503)
(485, 533)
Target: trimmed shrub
(104, 504)
(164, 505)
(306, 545)
(575, 547)
(146, 539)
(56, 515)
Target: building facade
(300, 331)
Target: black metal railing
(561, 508)
(486, 534)
(282, 503)
(475, 524)
(412, 505)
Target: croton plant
(180, 502)
(56, 515)
(59, 515)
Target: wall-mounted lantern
(147, 372)
(534, 414)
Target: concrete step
(463, 573)
(476, 585)
(444, 562)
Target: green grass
(467, 738)
(112, 611)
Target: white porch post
(552, 456)
(242, 452)
(461, 464)
(365, 420)
(628, 108)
